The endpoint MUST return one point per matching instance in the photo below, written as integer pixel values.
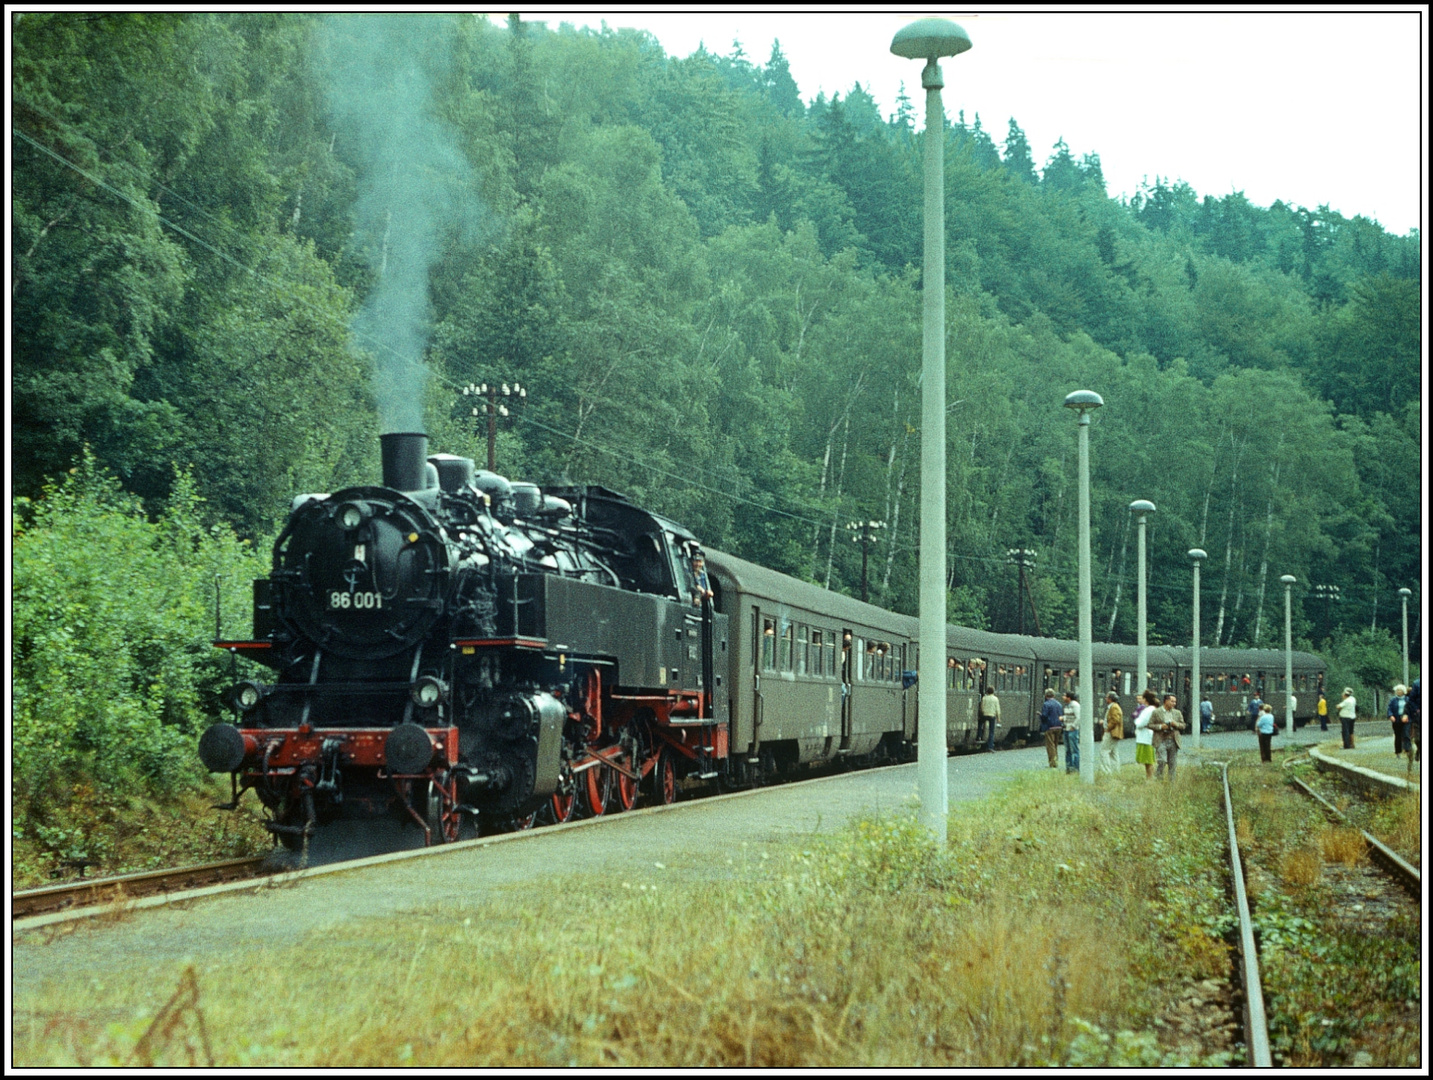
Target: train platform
(1372, 755)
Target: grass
(97, 832)
(1340, 955)
(1061, 926)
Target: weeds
(1061, 926)
(1341, 845)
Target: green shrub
(114, 671)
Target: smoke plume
(378, 72)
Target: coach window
(768, 645)
(817, 656)
(783, 648)
(831, 668)
(802, 633)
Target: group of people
(1157, 724)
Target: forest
(244, 244)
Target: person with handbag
(1114, 732)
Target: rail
(1256, 1026)
(84, 894)
(1405, 874)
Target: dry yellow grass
(1341, 844)
(1302, 866)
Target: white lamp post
(929, 40)
(1197, 555)
(1142, 507)
(1288, 580)
(1405, 593)
(1084, 402)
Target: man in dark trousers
(989, 714)
(1052, 724)
(1168, 722)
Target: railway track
(1256, 1025)
(100, 892)
(1394, 864)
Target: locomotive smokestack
(405, 460)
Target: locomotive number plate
(355, 600)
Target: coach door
(848, 662)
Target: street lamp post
(1198, 555)
(1288, 580)
(867, 530)
(1084, 402)
(1405, 593)
(929, 40)
(1142, 507)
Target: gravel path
(694, 840)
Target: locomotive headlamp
(246, 695)
(350, 515)
(428, 691)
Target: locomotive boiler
(450, 647)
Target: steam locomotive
(450, 645)
(452, 648)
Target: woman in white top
(1347, 710)
(1144, 734)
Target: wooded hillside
(237, 237)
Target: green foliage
(1366, 660)
(114, 676)
(710, 291)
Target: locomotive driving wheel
(600, 797)
(664, 777)
(563, 804)
(626, 789)
(445, 820)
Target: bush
(114, 673)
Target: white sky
(1311, 107)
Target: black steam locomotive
(450, 645)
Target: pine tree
(1018, 161)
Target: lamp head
(1288, 579)
(930, 39)
(1142, 506)
(1405, 593)
(1083, 400)
(1198, 554)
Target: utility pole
(1329, 595)
(1024, 558)
(867, 530)
(494, 409)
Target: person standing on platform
(1052, 725)
(1071, 720)
(989, 714)
(1114, 732)
(1323, 712)
(1265, 728)
(1398, 717)
(1168, 722)
(1347, 712)
(1294, 709)
(1206, 715)
(1144, 734)
(1415, 717)
(1255, 703)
